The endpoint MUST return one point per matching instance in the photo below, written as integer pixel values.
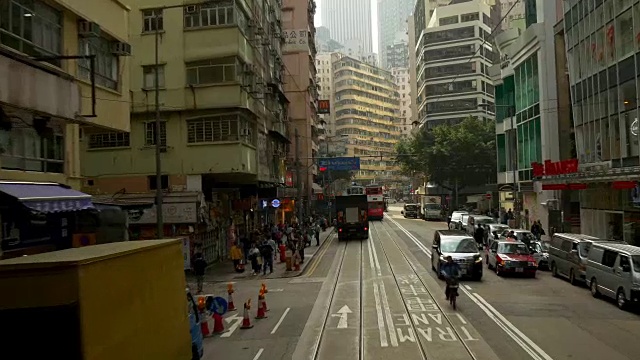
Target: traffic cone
(264, 298)
(205, 325)
(261, 313)
(264, 288)
(230, 305)
(246, 322)
(218, 324)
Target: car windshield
(466, 245)
(635, 259)
(519, 249)
(410, 207)
(432, 207)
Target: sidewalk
(223, 271)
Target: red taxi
(511, 257)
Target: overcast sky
(374, 21)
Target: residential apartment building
(349, 20)
(367, 108)
(413, 81)
(301, 90)
(223, 131)
(392, 20)
(527, 124)
(63, 70)
(602, 57)
(453, 54)
(397, 53)
(401, 79)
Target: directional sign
(340, 163)
(218, 305)
(343, 313)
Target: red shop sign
(550, 168)
(288, 180)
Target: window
(609, 258)
(213, 14)
(27, 150)
(150, 18)
(164, 182)
(469, 17)
(448, 20)
(109, 140)
(150, 133)
(219, 128)
(106, 64)
(31, 27)
(215, 71)
(149, 74)
(625, 36)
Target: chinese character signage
(324, 107)
(550, 168)
(295, 40)
(341, 163)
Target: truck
(351, 216)
(431, 208)
(123, 300)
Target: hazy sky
(374, 21)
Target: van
(568, 255)
(613, 270)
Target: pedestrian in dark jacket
(199, 267)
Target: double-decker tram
(375, 201)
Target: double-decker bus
(375, 200)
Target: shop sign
(554, 168)
(178, 213)
(289, 179)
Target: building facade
(396, 55)
(348, 20)
(367, 108)
(392, 20)
(401, 78)
(301, 89)
(602, 53)
(453, 54)
(224, 121)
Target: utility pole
(298, 177)
(159, 194)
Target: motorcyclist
(451, 272)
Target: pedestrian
(479, 235)
(236, 256)
(274, 247)
(318, 229)
(266, 251)
(254, 257)
(199, 267)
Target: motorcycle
(452, 285)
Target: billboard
(324, 107)
(340, 163)
(295, 40)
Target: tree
(453, 156)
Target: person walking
(318, 229)
(199, 267)
(479, 235)
(254, 257)
(236, 255)
(266, 251)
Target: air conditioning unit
(190, 9)
(245, 132)
(88, 29)
(121, 49)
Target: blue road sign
(341, 163)
(218, 305)
(275, 203)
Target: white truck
(432, 207)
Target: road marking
(462, 320)
(234, 327)
(385, 300)
(343, 313)
(258, 354)
(381, 326)
(316, 262)
(521, 339)
(276, 290)
(467, 287)
(275, 328)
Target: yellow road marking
(317, 260)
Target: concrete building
(401, 78)
(397, 53)
(367, 108)
(392, 20)
(527, 124)
(224, 133)
(348, 20)
(45, 102)
(324, 42)
(452, 58)
(413, 81)
(516, 17)
(602, 55)
(301, 89)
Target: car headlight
(532, 263)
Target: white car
(456, 220)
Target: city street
(379, 298)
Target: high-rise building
(367, 108)
(401, 78)
(324, 42)
(516, 17)
(397, 53)
(348, 20)
(392, 20)
(452, 57)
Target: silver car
(461, 247)
(540, 252)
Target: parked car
(492, 232)
(521, 235)
(474, 220)
(568, 254)
(540, 252)
(511, 257)
(456, 220)
(613, 271)
(461, 247)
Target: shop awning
(47, 197)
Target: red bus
(375, 199)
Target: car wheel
(554, 269)
(594, 288)
(621, 299)
(572, 278)
(498, 272)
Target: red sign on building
(551, 168)
(288, 180)
(324, 107)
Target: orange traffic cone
(261, 313)
(246, 322)
(230, 305)
(218, 324)
(264, 298)
(205, 325)
(264, 288)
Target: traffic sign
(218, 305)
(275, 203)
(487, 196)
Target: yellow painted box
(117, 301)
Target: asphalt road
(379, 298)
